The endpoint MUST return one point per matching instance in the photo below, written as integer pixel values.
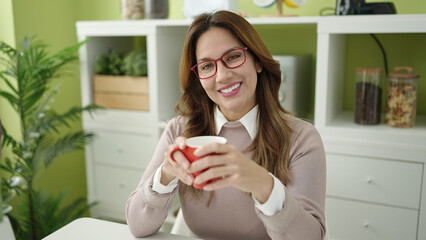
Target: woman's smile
(230, 89)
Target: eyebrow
(227, 51)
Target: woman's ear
(259, 67)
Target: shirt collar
(249, 121)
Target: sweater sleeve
(302, 216)
(146, 209)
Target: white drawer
(114, 185)
(124, 149)
(374, 180)
(351, 220)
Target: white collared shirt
(249, 121)
(275, 201)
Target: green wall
(98, 10)
(6, 22)
(311, 8)
(401, 50)
(54, 21)
(7, 34)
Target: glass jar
(368, 95)
(402, 98)
(132, 9)
(155, 9)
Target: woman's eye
(234, 57)
(206, 66)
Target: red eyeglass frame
(224, 64)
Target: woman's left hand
(233, 169)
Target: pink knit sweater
(232, 214)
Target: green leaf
(68, 143)
(8, 167)
(75, 209)
(10, 98)
(17, 229)
(7, 49)
(11, 87)
(52, 120)
(50, 215)
(5, 168)
(7, 140)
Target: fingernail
(196, 152)
(189, 178)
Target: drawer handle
(122, 185)
(369, 180)
(366, 225)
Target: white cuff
(160, 188)
(275, 201)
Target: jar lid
(401, 75)
(370, 71)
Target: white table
(90, 229)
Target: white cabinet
(376, 182)
(355, 220)
(384, 181)
(126, 139)
(372, 198)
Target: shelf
(387, 23)
(342, 135)
(343, 125)
(161, 106)
(346, 120)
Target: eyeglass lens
(232, 59)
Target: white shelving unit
(126, 139)
(376, 183)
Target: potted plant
(6, 231)
(28, 74)
(120, 81)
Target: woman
(272, 170)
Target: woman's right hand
(178, 168)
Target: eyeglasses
(231, 59)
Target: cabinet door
(113, 187)
(124, 149)
(352, 220)
(374, 180)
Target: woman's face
(233, 90)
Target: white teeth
(228, 90)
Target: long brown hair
(270, 148)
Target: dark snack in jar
(368, 95)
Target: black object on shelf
(360, 7)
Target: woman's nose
(222, 72)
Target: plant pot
(121, 92)
(6, 230)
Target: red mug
(191, 145)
